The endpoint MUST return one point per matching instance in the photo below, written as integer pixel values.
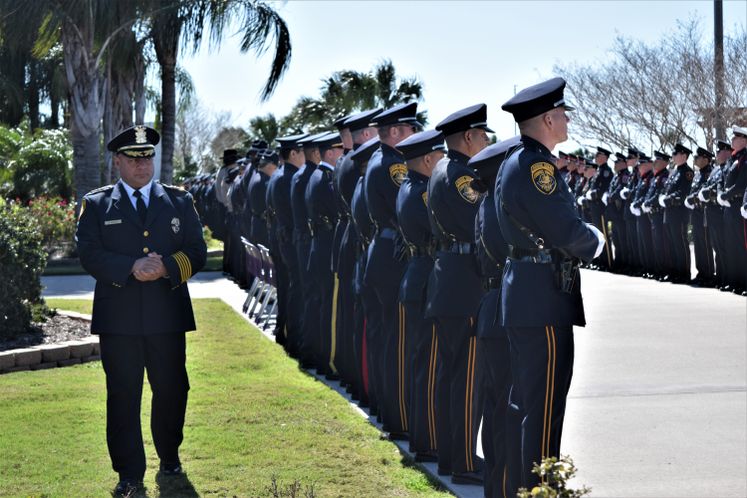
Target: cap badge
(175, 225)
(543, 177)
(140, 136)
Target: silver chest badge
(175, 224)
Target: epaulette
(101, 189)
(173, 187)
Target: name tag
(112, 222)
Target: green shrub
(554, 475)
(42, 167)
(22, 261)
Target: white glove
(661, 201)
(636, 211)
(580, 201)
(688, 205)
(600, 238)
(646, 209)
(624, 193)
(588, 195)
(723, 201)
(743, 210)
(605, 197)
(701, 196)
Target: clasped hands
(149, 268)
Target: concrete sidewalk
(658, 404)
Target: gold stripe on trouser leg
(333, 328)
(468, 405)
(401, 368)
(606, 242)
(547, 394)
(552, 390)
(432, 388)
(505, 475)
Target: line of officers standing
(390, 258)
(650, 209)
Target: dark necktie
(141, 209)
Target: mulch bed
(55, 330)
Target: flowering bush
(55, 218)
(554, 476)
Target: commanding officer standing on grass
(141, 241)
(540, 294)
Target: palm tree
(186, 22)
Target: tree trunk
(168, 116)
(32, 97)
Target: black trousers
(714, 220)
(599, 220)
(458, 402)
(704, 261)
(542, 367)
(645, 243)
(310, 301)
(420, 374)
(293, 298)
(662, 251)
(124, 359)
(676, 225)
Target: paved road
(658, 404)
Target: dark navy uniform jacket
(364, 229)
(531, 191)
(492, 251)
(412, 216)
(271, 212)
(641, 189)
(346, 176)
(298, 201)
(342, 220)
(257, 200)
(735, 180)
(281, 199)
(321, 207)
(676, 191)
(600, 182)
(656, 187)
(455, 287)
(714, 212)
(111, 237)
(615, 203)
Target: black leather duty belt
(491, 283)
(418, 252)
(530, 255)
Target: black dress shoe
(426, 456)
(171, 469)
(127, 488)
(467, 478)
(397, 436)
(443, 472)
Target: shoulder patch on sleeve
(424, 195)
(82, 207)
(398, 173)
(543, 177)
(463, 185)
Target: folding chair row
(261, 300)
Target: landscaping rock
(28, 356)
(93, 357)
(80, 349)
(54, 352)
(69, 362)
(7, 360)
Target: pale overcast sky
(464, 52)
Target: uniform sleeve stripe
(185, 266)
(180, 263)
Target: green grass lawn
(252, 415)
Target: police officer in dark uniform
(501, 427)
(257, 196)
(662, 253)
(676, 214)
(279, 189)
(365, 297)
(635, 266)
(645, 244)
(730, 197)
(421, 151)
(302, 243)
(714, 212)
(598, 186)
(322, 211)
(614, 210)
(141, 241)
(454, 293)
(540, 294)
(704, 262)
(386, 172)
(350, 325)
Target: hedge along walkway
(252, 415)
